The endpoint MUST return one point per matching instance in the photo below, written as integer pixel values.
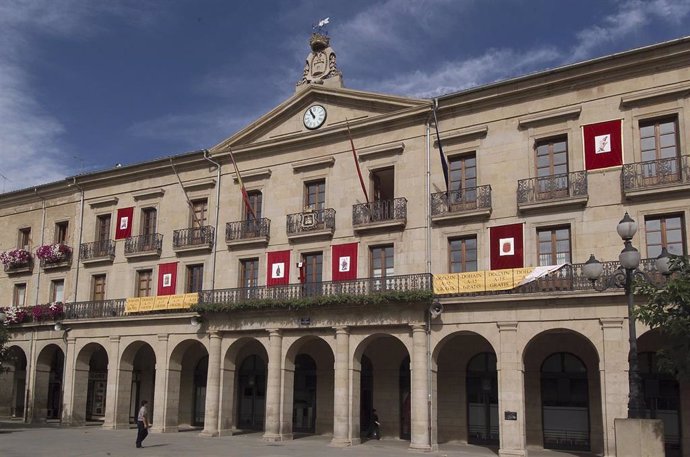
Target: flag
(124, 223)
(167, 278)
(245, 196)
(506, 246)
(278, 268)
(344, 261)
(602, 144)
(354, 154)
(444, 162)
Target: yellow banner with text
(479, 281)
(160, 303)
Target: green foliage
(319, 300)
(668, 310)
(4, 337)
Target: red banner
(602, 145)
(506, 246)
(124, 223)
(278, 268)
(167, 278)
(344, 261)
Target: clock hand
(312, 114)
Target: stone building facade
(315, 309)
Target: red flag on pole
(245, 196)
(354, 154)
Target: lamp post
(623, 277)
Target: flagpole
(444, 162)
(354, 154)
(245, 196)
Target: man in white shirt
(142, 423)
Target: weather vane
(318, 28)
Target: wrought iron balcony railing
(311, 221)
(144, 244)
(460, 201)
(194, 237)
(102, 249)
(655, 173)
(380, 211)
(364, 286)
(94, 309)
(550, 188)
(247, 230)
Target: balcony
(64, 262)
(98, 251)
(194, 239)
(18, 268)
(311, 224)
(567, 189)
(462, 204)
(655, 177)
(248, 232)
(381, 214)
(144, 245)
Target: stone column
(341, 391)
(212, 387)
(111, 390)
(69, 415)
(419, 390)
(511, 393)
(273, 383)
(614, 379)
(159, 410)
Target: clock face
(314, 117)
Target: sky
(88, 84)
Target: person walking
(142, 423)
(374, 432)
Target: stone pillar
(273, 383)
(111, 390)
(212, 387)
(614, 379)
(341, 391)
(511, 393)
(69, 415)
(419, 390)
(159, 410)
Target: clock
(314, 117)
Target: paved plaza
(51, 440)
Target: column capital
(342, 330)
(507, 326)
(163, 337)
(274, 331)
(418, 326)
(214, 334)
(611, 322)
(114, 338)
(71, 341)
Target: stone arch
(457, 414)
(136, 382)
(308, 386)
(186, 393)
(47, 395)
(233, 385)
(13, 378)
(379, 389)
(538, 349)
(90, 382)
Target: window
(195, 278)
(463, 179)
(199, 213)
(551, 158)
(144, 280)
(313, 267)
(315, 195)
(24, 240)
(19, 295)
(659, 139)
(103, 227)
(249, 272)
(61, 232)
(554, 245)
(98, 287)
(665, 231)
(57, 290)
(463, 254)
(255, 201)
(381, 264)
(148, 221)
(383, 182)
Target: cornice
(463, 135)
(103, 202)
(147, 194)
(262, 173)
(382, 149)
(652, 95)
(549, 116)
(320, 162)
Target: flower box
(14, 315)
(15, 258)
(54, 254)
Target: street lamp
(623, 277)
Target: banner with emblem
(124, 223)
(278, 268)
(506, 246)
(602, 144)
(167, 278)
(344, 261)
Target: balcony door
(551, 158)
(383, 194)
(98, 288)
(660, 152)
(148, 228)
(197, 221)
(144, 281)
(462, 182)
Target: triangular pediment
(286, 121)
